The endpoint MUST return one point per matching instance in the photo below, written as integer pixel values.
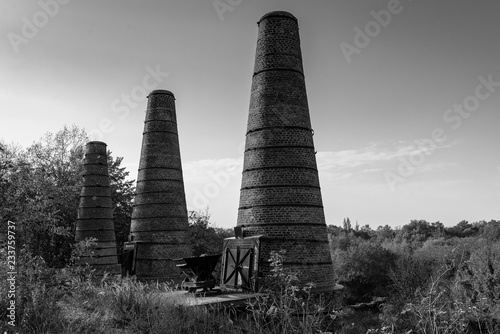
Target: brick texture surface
(95, 212)
(280, 197)
(159, 216)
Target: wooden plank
(226, 299)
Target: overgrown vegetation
(286, 307)
(429, 278)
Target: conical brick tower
(280, 195)
(159, 217)
(95, 211)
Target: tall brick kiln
(280, 200)
(95, 210)
(158, 231)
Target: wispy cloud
(373, 153)
(376, 157)
(352, 158)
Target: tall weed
(284, 307)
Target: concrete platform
(234, 299)
(223, 298)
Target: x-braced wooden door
(238, 267)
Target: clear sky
(381, 77)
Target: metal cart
(198, 271)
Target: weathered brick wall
(159, 217)
(95, 211)
(281, 176)
(278, 137)
(279, 157)
(280, 196)
(282, 214)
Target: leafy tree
(462, 230)
(42, 196)
(343, 240)
(491, 230)
(122, 195)
(385, 232)
(334, 230)
(347, 224)
(205, 239)
(365, 232)
(421, 230)
(8, 166)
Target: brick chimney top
(278, 14)
(161, 91)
